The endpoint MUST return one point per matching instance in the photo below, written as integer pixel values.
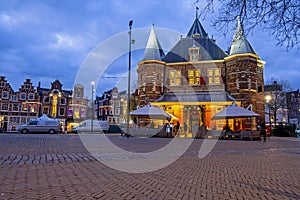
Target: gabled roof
(209, 50)
(153, 49)
(240, 44)
(197, 28)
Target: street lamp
(268, 99)
(129, 69)
(92, 102)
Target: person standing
(171, 128)
(167, 129)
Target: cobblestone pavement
(59, 167)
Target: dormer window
(194, 54)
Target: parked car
(41, 125)
(86, 126)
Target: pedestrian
(263, 132)
(167, 129)
(171, 128)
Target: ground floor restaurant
(191, 115)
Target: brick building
(196, 78)
(17, 107)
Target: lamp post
(92, 102)
(128, 89)
(268, 99)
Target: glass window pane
(217, 72)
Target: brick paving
(59, 167)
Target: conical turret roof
(197, 28)
(240, 44)
(153, 49)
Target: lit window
(194, 77)
(175, 77)
(214, 76)
(45, 110)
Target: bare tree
(279, 17)
(277, 89)
(286, 86)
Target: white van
(86, 126)
(41, 125)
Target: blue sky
(50, 39)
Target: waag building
(197, 79)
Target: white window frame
(21, 95)
(31, 96)
(2, 106)
(6, 96)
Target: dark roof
(46, 90)
(209, 50)
(197, 28)
(153, 49)
(196, 97)
(240, 44)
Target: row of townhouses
(28, 102)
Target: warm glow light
(92, 83)
(268, 98)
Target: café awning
(234, 111)
(151, 112)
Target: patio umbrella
(234, 111)
(151, 112)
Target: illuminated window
(194, 77)
(46, 110)
(214, 76)
(175, 77)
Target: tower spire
(153, 49)
(197, 8)
(240, 44)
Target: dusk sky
(50, 39)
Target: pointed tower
(151, 71)
(244, 72)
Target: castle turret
(151, 71)
(244, 72)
